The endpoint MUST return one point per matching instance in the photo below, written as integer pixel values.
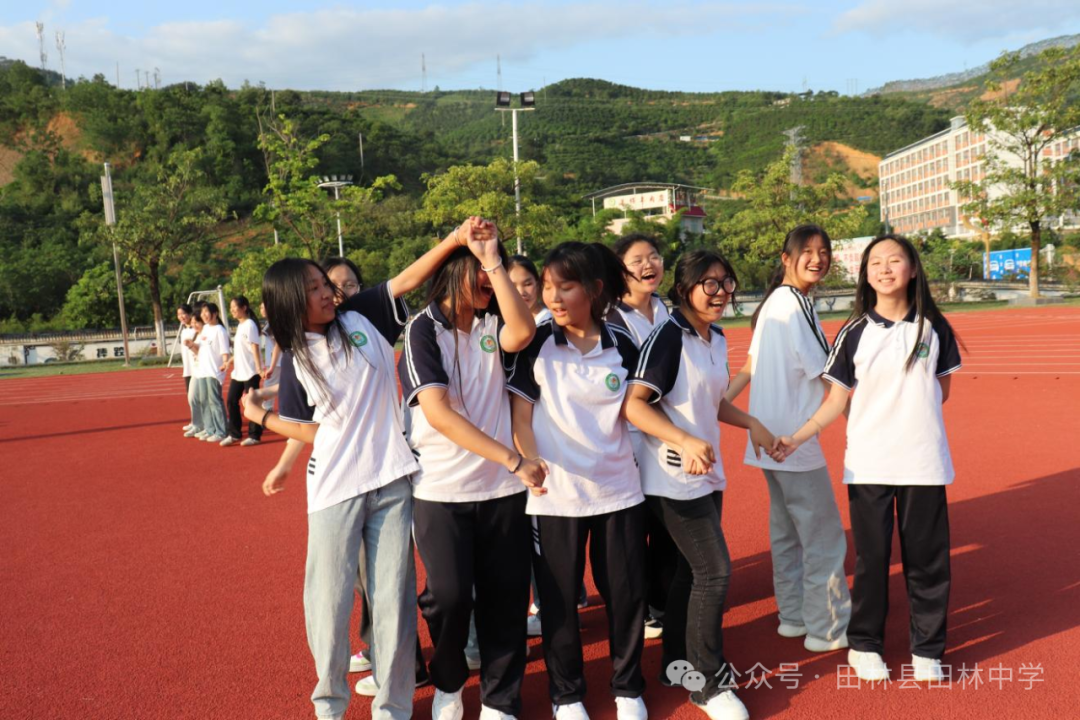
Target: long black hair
(524, 263)
(242, 302)
(596, 267)
(284, 292)
(918, 292)
(690, 268)
(794, 243)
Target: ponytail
(794, 243)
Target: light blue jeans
(381, 521)
(210, 406)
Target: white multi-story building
(916, 181)
(659, 202)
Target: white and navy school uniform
(806, 536)
(268, 346)
(358, 494)
(542, 317)
(243, 378)
(594, 490)
(469, 517)
(897, 454)
(213, 349)
(687, 376)
(661, 555)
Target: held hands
(698, 456)
(482, 238)
(762, 439)
(782, 447)
(532, 473)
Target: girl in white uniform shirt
(568, 389)
(787, 355)
(893, 360)
(246, 373)
(212, 348)
(469, 517)
(526, 280)
(187, 356)
(194, 399)
(640, 311)
(357, 477)
(676, 396)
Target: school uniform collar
(438, 316)
(679, 319)
(887, 323)
(607, 340)
(622, 305)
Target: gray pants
(808, 549)
(210, 406)
(381, 520)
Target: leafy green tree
(754, 235)
(247, 279)
(156, 221)
(1022, 187)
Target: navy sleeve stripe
(840, 341)
(647, 348)
(808, 313)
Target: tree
(156, 221)
(488, 191)
(754, 235)
(1021, 185)
(247, 279)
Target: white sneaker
(248, 442)
(573, 711)
(653, 628)
(631, 709)
(791, 631)
(447, 706)
(472, 662)
(487, 713)
(532, 626)
(214, 439)
(816, 644)
(192, 432)
(359, 663)
(725, 706)
(534, 608)
(187, 427)
(367, 687)
(926, 669)
(868, 666)
(201, 435)
(228, 441)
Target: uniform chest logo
(612, 382)
(358, 339)
(923, 351)
(487, 344)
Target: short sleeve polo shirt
(687, 376)
(186, 353)
(895, 430)
(470, 367)
(247, 333)
(788, 352)
(634, 322)
(213, 344)
(577, 402)
(360, 444)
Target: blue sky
(678, 45)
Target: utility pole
(117, 74)
(157, 79)
(502, 104)
(110, 220)
(423, 73)
(794, 136)
(41, 44)
(61, 46)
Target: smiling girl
(568, 387)
(526, 281)
(893, 360)
(786, 358)
(676, 397)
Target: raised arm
(519, 327)
(418, 273)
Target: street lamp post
(110, 220)
(502, 104)
(337, 182)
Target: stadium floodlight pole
(110, 220)
(502, 104)
(333, 181)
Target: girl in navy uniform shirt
(676, 397)
(468, 507)
(568, 387)
(893, 360)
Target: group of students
(208, 354)
(529, 433)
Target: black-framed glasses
(711, 286)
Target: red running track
(146, 576)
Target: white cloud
(967, 20)
(342, 49)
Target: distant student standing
(676, 397)
(187, 357)
(786, 358)
(212, 347)
(246, 373)
(641, 310)
(893, 360)
(195, 401)
(271, 358)
(468, 507)
(568, 387)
